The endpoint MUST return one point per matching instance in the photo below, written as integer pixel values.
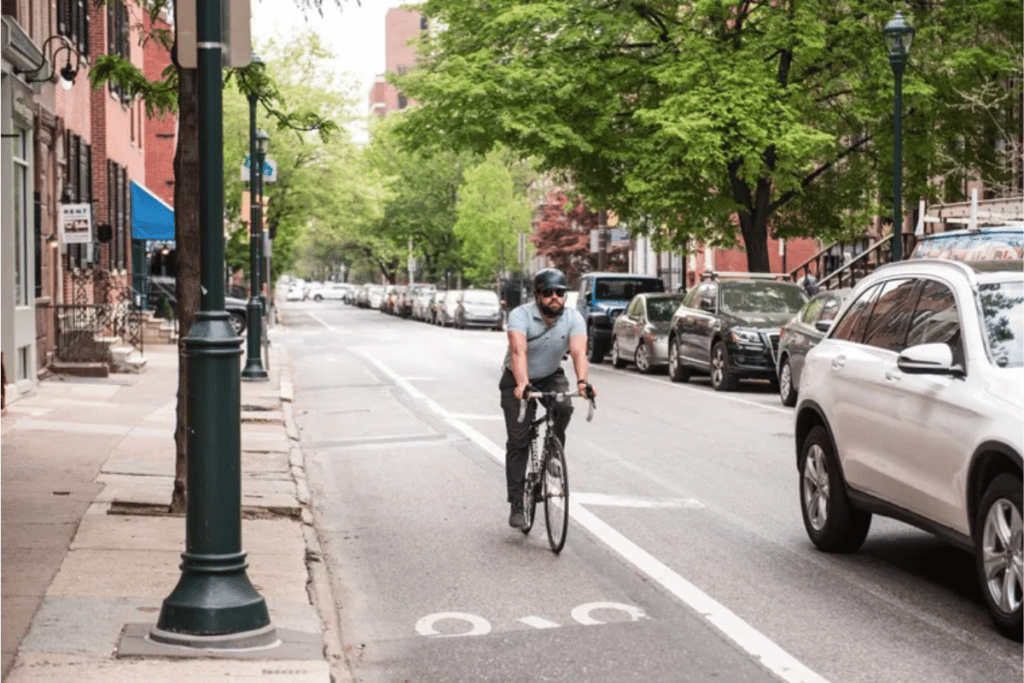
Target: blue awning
(152, 217)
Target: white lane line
(752, 641)
(685, 387)
(538, 622)
(467, 416)
(332, 328)
(632, 502)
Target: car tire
(721, 378)
(832, 524)
(787, 392)
(595, 351)
(997, 552)
(616, 358)
(318, 298)
(642, 359)
(239, 322)
(677, 372)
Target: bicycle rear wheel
(555, 487)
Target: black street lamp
(214, 605)
(258, 143)
(898, 36)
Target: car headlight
(742, 336)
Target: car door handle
(891, 376)
(838, 362)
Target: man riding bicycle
(539, 335)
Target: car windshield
(1002, 304)
(661, 310)
(480, 298)
(762, 297)
(624, 289)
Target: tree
(563, 234)
(420, 206)
(720, 120)
(491, 216)
(179, 87)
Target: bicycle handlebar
(531, 394)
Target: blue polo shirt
(545, 345)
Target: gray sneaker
(517, 518)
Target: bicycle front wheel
(556, 494)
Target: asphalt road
(686, 558)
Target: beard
(552, 310)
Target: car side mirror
(823, 325)
(588, 298)
(928, 359)
(706, 305)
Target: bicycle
(547, 477)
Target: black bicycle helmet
(549, 277)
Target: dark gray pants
(517, 447)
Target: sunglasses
(548, 292)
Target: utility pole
(602, 241)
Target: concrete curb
(320, 588)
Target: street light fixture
(898, 36)
(258, 143)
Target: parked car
(640, 334)
(409, 298)
(801, 333)
(602, 297)
(449, 307)
(374, 296)
(729, 329)
(478, 308)
(433, 305)
(912, 407)
(329, 290)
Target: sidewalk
(89, 552)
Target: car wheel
(787, 392)
(318, 298)
(721, 378)
(832, 524)
(998, 552)
(677, 372)
(595, 354)
(643, 359)
(616, 358)
(239, 322)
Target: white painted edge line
(752, 641)
(685, 387)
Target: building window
(118, 38)
(402, 102)
(73, 22)
(77, 188)
(20, 190)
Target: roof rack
(974, 213)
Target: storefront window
(19, 182)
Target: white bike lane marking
(479, 626)
(752, 641)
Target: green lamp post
(898, 36)
(258, 143)
(214, 605)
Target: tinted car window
(935, 319)
(887, 328)
(851, 327)
(661, 310)
(1002, 305)
(812, 310)
(625, 288)
(831, 308)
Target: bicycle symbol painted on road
(478, 626)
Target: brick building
(399, 27)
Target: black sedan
(729, 329)
(800, 334)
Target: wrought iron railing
(843, 264)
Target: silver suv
(912, 407)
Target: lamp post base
(254, 372)
(206, 605)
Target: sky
(354, 32)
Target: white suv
(913, 407)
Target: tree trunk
(186, 236)
(754, 220)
